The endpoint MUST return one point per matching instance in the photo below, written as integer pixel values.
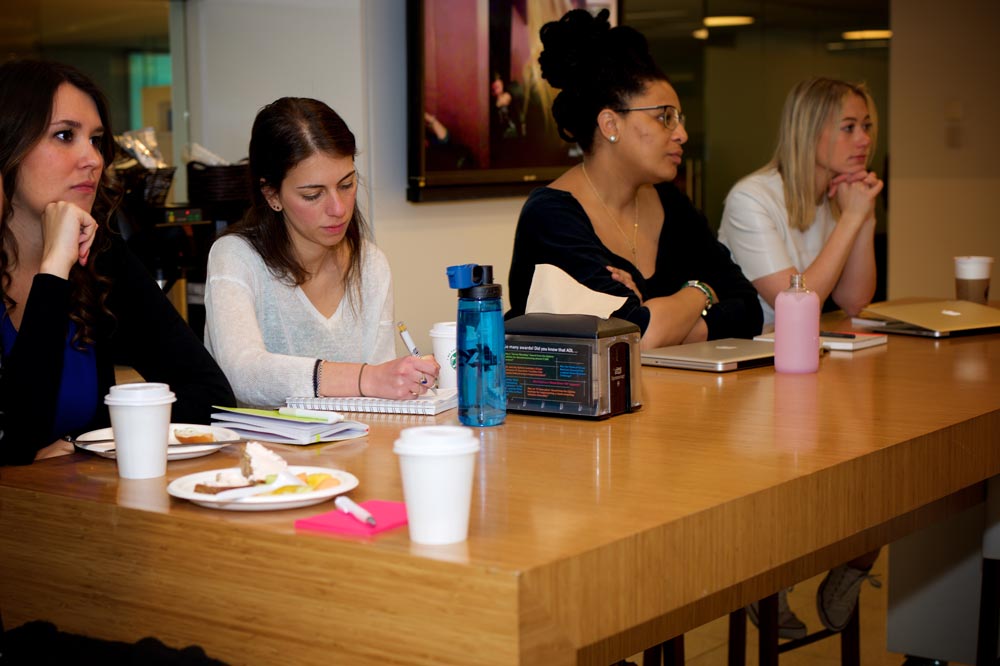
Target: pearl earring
(613, 138)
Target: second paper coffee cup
(437, 465)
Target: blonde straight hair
(810, 105)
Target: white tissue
(553, 290)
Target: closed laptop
(713, 355)
(936, 319)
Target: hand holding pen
(412, 346)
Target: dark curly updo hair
(596, 67)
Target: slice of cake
(256, 465)
(259, 462)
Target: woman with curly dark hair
(615, 223)
(74, 300)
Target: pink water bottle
(796, 328)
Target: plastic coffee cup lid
(444, 328)
(140, 393)
(973, 268)
(436, 441)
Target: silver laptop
(713, 356)
(935, 319)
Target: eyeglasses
(671, 116)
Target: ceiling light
(867, 34)
(726, 21)
(700, 33)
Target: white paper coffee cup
(437, 464)
(444, 336)
(140, 422)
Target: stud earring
(276, 207)
(613, 138)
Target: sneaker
(789, 625)
(837, 595)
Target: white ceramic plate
(104, 449)
(183, 488)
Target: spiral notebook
(424, 404)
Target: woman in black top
(615, 223)
(73, 300)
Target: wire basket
(215, 184)
(149, 187)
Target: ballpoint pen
(412, 346)
(349, 506)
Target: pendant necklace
(635, 225)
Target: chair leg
(667, 653)
(737, 638)
(673, 651)
(768, 616)
(850, 641)
(989, 614)
(653, 656)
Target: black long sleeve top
(145, 332)
(554, 229)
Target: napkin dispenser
(572, 365)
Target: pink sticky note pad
(388, 515)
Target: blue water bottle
(482, 393)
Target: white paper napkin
(553, 290)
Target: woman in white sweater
(811, 209)
(299, 299)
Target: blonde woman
(811, 209)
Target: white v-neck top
(756, 230)
(266, 334)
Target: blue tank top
(77, 401)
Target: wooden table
(589, 541)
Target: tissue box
(572, 365)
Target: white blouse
(755, 229)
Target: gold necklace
(635, 225)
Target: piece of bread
(189, 435)
(208, 489)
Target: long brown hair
(286, 132)
(28, 89)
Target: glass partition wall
(734, 61)
(123, 45)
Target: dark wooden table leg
(768, 649)
(738, 638)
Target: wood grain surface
(589, 541)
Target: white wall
(944, 142)
(351, 54)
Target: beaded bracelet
(703, 288)
(360, 371)
(317, 376)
